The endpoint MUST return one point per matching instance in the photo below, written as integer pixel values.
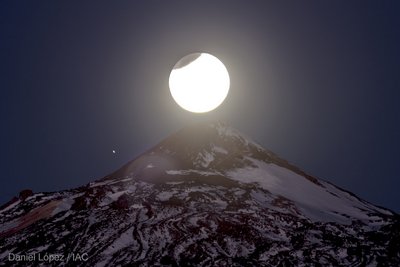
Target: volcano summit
(205, 196)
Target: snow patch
(63, 206)
(220, 150)
(187, 172)
(165, 196)
(124, 240)
(110, 182)
(10, 206)
(111, 197)
(149, 166)
(137, 206)
(205, 158)
(174, 183)
(316, 202)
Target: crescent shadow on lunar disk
(186, 60)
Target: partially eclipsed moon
(199, 82)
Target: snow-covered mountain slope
(205, 196)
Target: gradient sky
(317, 82)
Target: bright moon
(199, 82)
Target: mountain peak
(200, 146)
(206, 146)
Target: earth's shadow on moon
(186, 60)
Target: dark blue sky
(317, 82)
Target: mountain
(205, 196)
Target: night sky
(317, 82)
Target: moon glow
(199, 82)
